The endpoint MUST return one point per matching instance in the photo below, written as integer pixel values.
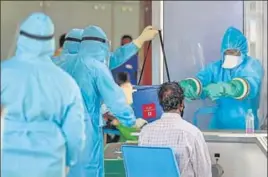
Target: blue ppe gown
(97, 86)
(230, 112)
(121, 55)
(70, 47)
(44, 128)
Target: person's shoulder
(7, 63)
(252, 64)
(146, 128)
(215, 64)
(253, 61)
(65, 77)
(60, 76)
(92, 64)
(190, 129)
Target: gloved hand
(189, 89)
(147, 34)
(140, 123)
(215, 91)
(232, 89)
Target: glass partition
(192, 35)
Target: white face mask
(231, 61)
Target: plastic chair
(149, 162)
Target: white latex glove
(104, 109)
(140, 122)
(147, 34)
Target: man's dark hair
(126, 37)
(170, 96)
(122, 77)
(62, 40)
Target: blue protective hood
(234, 39)
(94, 49)
(72, 41)
(36, 25)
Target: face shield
(232, 59)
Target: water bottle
(249, 122)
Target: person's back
(172, 131)
(97, 86)
(44, 122)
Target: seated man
(172, 131)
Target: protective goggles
(36, 37)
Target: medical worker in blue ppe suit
(116, 58)
(44, 127)
(70, 47)
(98, 86)
(234, 82)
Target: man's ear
(181, 106)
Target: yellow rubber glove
(147, 34)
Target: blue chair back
(142, 161)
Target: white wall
(239, 159)
(115, 17)
(12, 13)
